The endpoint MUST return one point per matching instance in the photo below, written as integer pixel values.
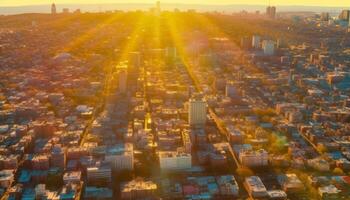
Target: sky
(335, 3)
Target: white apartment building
(256, 41)
(197, 113)
(251, 158)
(172, 160)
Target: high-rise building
(197, 110)
(256, 41)
(271, 12)
(53, 9)
(268, 47)
(122, 80)
(121, 156)
(344, 15)
(246, 43)
(324, 16)
(158, 10)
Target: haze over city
(247, 2)
(143, 100)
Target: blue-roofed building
(28, 194)
(25, 177)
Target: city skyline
(340, 3)
(174, 101)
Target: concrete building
(344, 15)
(228, 185)
(256, 41)
(324, 16)
(72, 177)
(172, 160)
(40, 162)
(58, 157)
(93, 193)
(329, 192)
(290, 183)
(277, 195)
(268, 47)
(319, 164)
(53, 9)
(252, 158)
(271, 12)
(122, 79)
(255, 187)
(121, 156)
(40, 191)
(235, 135)
(138, 189)
(102, 172)
(197, 113)
(231, 90)
(246, 43)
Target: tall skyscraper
(324, 16)
(53, 8)
(256, 41)
(344, 15)
(268, 47)
(158, 7)
(197, 113)
(122, 80)
(271, 11)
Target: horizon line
(186, 4)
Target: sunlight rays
(212, 29)
(87, 36)
(180, 46)
(133, 39)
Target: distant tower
(158, 10)
(271, 12)
(256, 41)
(122, 77)
(158, 6)
(53, 8)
